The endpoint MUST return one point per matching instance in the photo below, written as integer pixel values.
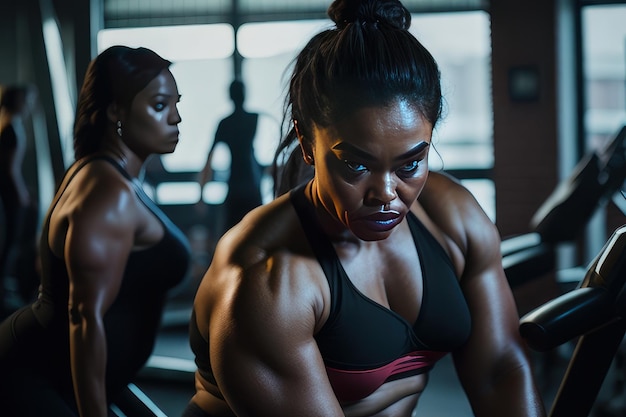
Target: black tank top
(133, 319)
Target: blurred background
(530, 88)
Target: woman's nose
(382, 190)
(175, 116)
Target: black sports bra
(365, 344)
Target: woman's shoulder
(96, 187)
(101, 172)
(93, 199)
(440, 181)
(446, 199)
(272, 229)
(265, 256)
(455, 211)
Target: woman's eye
(409, 168)
(355, 166)
(159, 106)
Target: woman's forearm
(88, 364)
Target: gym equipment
(565, 213)
(594, 313)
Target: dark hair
(13, 97)
(368, 58)
(115, 76)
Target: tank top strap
(320, 244)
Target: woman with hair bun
(340, 296)
(109, 256)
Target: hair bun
(386, 12)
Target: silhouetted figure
(237, 131)
(14, 194)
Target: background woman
(108, 255)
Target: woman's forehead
(397, 115)
(395, 128)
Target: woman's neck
(336, 231)
(128, 160)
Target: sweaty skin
(265, 296)
(99, 221)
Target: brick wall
(525, 132)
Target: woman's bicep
(96, 250)
(256, 384)
(264, 356)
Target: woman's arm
(207, 171)
(99, 239)
(492, 366)
(206, 174)
(262, 350)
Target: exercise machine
(594, 314)
(563, 216)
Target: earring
(119, 128)
(308, 159)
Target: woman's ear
(305, 145)
(113, 113)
